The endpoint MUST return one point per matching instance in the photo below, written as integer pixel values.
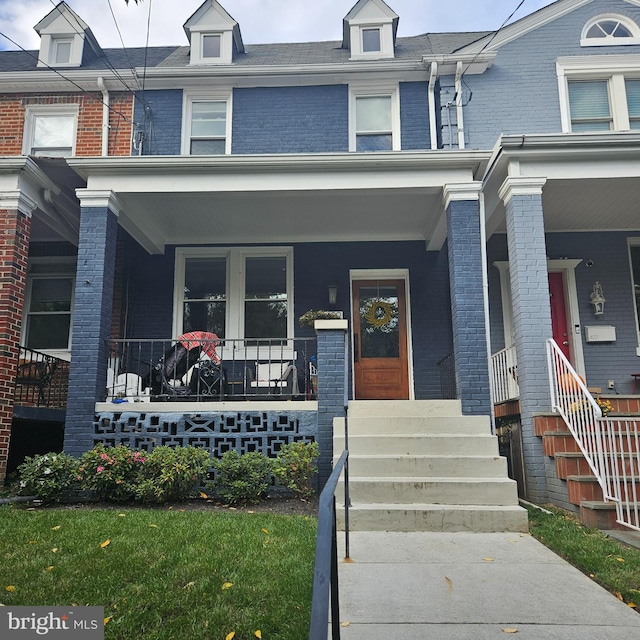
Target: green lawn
(611, 564)
(164, 574)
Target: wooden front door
(559, 325)
(381, 369)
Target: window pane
(266, 278)
(373, 114)
(374, 143)
(50, 295)
(211, 46)
(633, 98)
(205, 316)
(371, 40)
(53, 132)
(63, 52)
(589, 99)
(205, 278)
(208, 147)
(208, 119)
(635, 266)
(48, 331)
(379, 322)
(265, 319)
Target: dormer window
(370, 40)
(214, 35)
(211, 45)
(610, 30)
(61, 51)
(369, 31)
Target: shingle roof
(278, 54)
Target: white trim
(608, 41)
(212, 95)
(19, 201)
(634, 241)
(235, 284)
(95, 198)
(431, 100)
(387, 274)
(461, 192)
(371, 90)
(459, 109)
(520, 186)
(34, 111)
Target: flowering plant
(605, 406)
(49, 477)
(112, 473)
(309, 317)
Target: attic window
(61, 50)
(610, 30)
(211, 45)
(370, 40)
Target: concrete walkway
(471, 586)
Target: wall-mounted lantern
(597, 300)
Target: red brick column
(15, 230)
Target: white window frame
(235, 288)
(614, 69)
(32, 112)
(203, 37)
(634, 242)
(55, 272)
(375, 91)
(609, 41)
(55, 43)
(222, 95)
(385, 26)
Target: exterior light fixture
(333, 295)
(597, 300)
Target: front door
(559, 325)
(380, 340)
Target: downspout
(459, 116)
(485, 300)
(105, 116)
(433, 123)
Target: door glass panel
(204, 307)
(265, 310)
(379, 322)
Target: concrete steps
(423, 466)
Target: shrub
(294, 467)
(171, 473)
(112, 473)
(49, 476)
(242, 478)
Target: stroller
(191, 368)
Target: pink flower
(100, 469)
(103, 456)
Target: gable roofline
(203, 8)
(383, 6)
(525, 25)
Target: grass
(165, 574)
(611, 564)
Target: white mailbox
(600, 333)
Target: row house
(456, 211)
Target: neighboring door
(381, 369)
(559, 325)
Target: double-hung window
(207, 127)
(634, 256)
(49, 306)
(599, 93)
(374, 120)
(236, 293)
(50, 130)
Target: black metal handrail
(325, 575)
(41, 380)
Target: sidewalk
(471, 586)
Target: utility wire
(75, 84)
(146, 48)
(124, 48)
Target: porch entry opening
(380, 340)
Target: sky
(261, 21)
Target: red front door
(559, 325)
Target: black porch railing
(41, 380)
(204, 368)
(325, 577)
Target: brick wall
(89, 134)
(15, 228)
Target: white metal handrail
(610, 446)
(504, 375)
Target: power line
(124, 48)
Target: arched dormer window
(610, 30)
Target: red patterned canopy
(207, 341)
